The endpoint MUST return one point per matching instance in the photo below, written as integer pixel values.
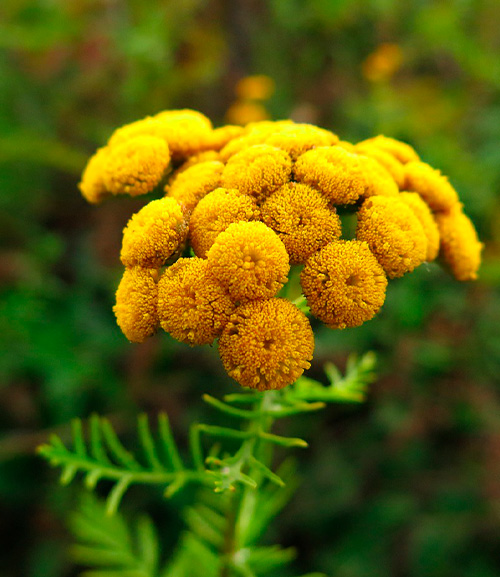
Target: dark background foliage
(407, 485)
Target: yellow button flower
(214, 213)
(400, 150)
(136, 300)
(460, 246)
(343, 177)
(258, 170)
(424, 215)
(225, 134)
(189, 186)
(302, 218)
(344, 284)
(154, 234)
(192, 305)
(250, 260)
(299, 138)
(267, 344)
(387, 160)
(136, 166)
(205, 156)
(432, 186)
(186, 132)
(92, 184)
(393, 233)
(254, 133)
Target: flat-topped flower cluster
(241, 205)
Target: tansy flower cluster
(210, 259)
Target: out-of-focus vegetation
(407, 485)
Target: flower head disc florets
(214, 213)
(344, 284)
(154, 234)
(342, 176)
(249, 260)
(251, 200)
(393, 233)
(192, 306)
(136, 300)
(267, 344)
(302, 218)
(258, 170)
(460, 247)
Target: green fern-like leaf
(110, 546)
(101, 455)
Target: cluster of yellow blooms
(241, 205)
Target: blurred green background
(408, 484)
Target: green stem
(244, 499)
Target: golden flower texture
(249, 260)
(192, 306)
(192, 184)
(186, 132)
(250, 200)
(393, 233)
(154, 234)
(253, 133)
(92, 184)
(214, 213)
(136, 300)
(344, 284)
(460, 247)
(302, 218)
(267, 344)
(393, 166)
(432, 186)
(343, 177)
(136, 166)
(400, 150)
(258, 170)
(424, 215)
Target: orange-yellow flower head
(424, 215)
(214, 213)
(267, 344)
(258, 170)
(136, 166)
(186, 132)
(302, 218)
(92, 184)
(460, 246)
(432, 186)
(192, 306)
(393, 233)
(344, 284)
(224, 134)
(250, 260)
(154, 234)
(393, 166)
(299, 138)
(341, 176)
(253, 133)
(191, 185)
(400, 150)
(136, 300)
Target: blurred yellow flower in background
(383, 63)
